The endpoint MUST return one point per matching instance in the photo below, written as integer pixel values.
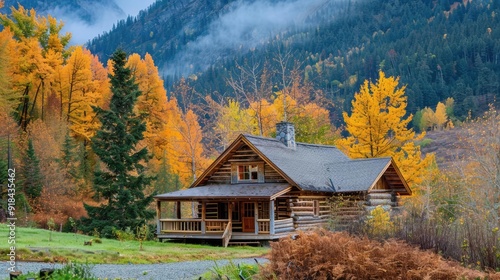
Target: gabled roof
(317, 168)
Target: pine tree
(32, 185)
(120, 186)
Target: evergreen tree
(3, 178)
(120, 186)
(166, 180)
(32, 183)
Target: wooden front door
(248, 216)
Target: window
(248, 172)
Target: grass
(33, 244)
(425, 142)
(231, 271)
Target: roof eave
(393, 163)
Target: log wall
(347, 211)
(310, 211)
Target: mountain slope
(439, 49)
(84, 9)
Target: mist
(103, 16)
(242, 28)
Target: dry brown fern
(327, 255)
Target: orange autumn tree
(39, 49)
(184, 143)
(8, 98)
(378, 128)
(312, 121)
(151, 105)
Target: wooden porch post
(256, 210)
(158, 216)
(271, 217)
(230, 211)
(203, 214)
(178, 210)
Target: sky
(105, 18)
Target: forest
(67, 115)
(337, 47)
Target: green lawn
(33, 245)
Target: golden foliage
(184, 143)
(312, 122)
(151, 105)
(378, 128)
(232, 121)
(379, 222)
(79, 92)
(326, 255)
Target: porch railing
(215, 225)
(263, 225)
(193, 225)
(181, 225)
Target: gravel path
(179, 270)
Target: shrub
(232, 271)
(379, 224)
(124, 235)
(325, 255)
(71, 271)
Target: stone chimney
(285, 133)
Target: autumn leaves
(378, 127)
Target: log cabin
(261, 189)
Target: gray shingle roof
(316, 167)
(264, 191)
(356, 175)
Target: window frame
(258, 167)
(248, 172)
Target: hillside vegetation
(440, 49)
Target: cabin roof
(356, 175)
(313, 167)
(323, 168)
(255, 191)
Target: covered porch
(228, 213)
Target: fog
(242, 28)
(103, 16)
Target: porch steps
(244, 243)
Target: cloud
(243, 27)
(133, 7)
(102, 17)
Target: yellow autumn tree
(80, 92)
(38, 51)
(8, 98)
(232, 120)
(184, 147)
(428, 119)
(378, 128)
(440, 115)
